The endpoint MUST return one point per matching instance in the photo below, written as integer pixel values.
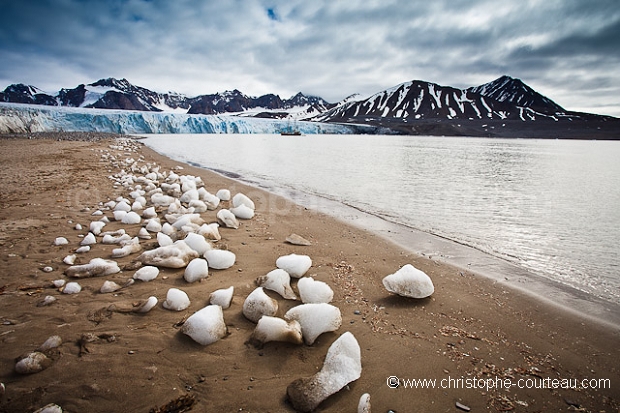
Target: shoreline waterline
(441, 249)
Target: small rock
(50, 343)
(49, 408)
(48, 269)
(297, 240)
(33, 363)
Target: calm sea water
(550, 206)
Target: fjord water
(549, 206)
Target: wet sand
(472, 326)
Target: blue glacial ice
(21, 118)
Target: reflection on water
(548, 205)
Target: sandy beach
(472, 330)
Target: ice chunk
(122, 206)
(109, 287)
(223, 194)
(96, 227)
(130, 247)
(206, 326)
(279, 281)
(61, 241)
(146, 273)
(177, 255)
(149, 213)
(131, 218)
(242, 199)
(220, 259)
(164, 240)
(210, 231)
(144, 234)
(176, 300)
(70, 259)
(97, 267)
(222, 297)
(89, 239)
(243, 212)
(409, 282)
(295, 265)
(227, 219)
(72, 288)
(197, 269)
(315, 319)
(148, 305)
(258, 304)
(153, 225)
(197, 242)
(342, 365)
(276, 329)
(313, 291)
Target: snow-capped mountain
(503, 99)
(508, 89)
(121, 94)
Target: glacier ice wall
(20, 118)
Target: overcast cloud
(568, 50)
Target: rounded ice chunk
(276, 329)
(72, 288)
(149, 304)
(146, 273)
(61, 241)
(242, 199)
(176, 300)
(220, 259)
(131, 218)
(313, 291)
(227, 219)
(206, 326)
(409, 282)
(315, 319)
(279, 281)
(295, 265)
(223, 194)
(258, 304)
(197, 269)
(197, 242)
(242, 212)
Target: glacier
(24, 118)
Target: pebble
(462, 407)
(48, 269)
(33, 363)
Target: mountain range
(415, 107)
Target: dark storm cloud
(328, 48)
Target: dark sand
(471, 327)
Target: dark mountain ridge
(113, 93)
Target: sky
(568, 50)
